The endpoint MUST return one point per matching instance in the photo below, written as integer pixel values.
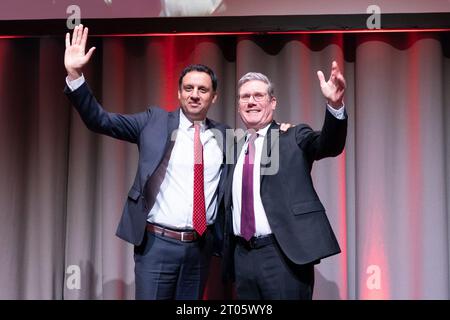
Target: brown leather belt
(184, 236)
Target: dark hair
(199, 68)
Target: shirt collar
(186, 124)
(261, 132)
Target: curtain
(62, 187)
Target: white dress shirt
(174, 199)
(261, 224)
(172, 196)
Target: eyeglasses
(258, 97)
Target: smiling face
(256, 114)
(196, 95)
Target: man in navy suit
(173, 246)
(276, 226)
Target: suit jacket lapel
(233, 151)
(239, 144)
(219, 133)
(172, 124)
(270, 140)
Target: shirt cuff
(75, 84)
(339, 114)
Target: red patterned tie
(199, 211)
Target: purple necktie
(247, 212)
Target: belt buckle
(183, 233)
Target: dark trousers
(265, 273)
(166, 268)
